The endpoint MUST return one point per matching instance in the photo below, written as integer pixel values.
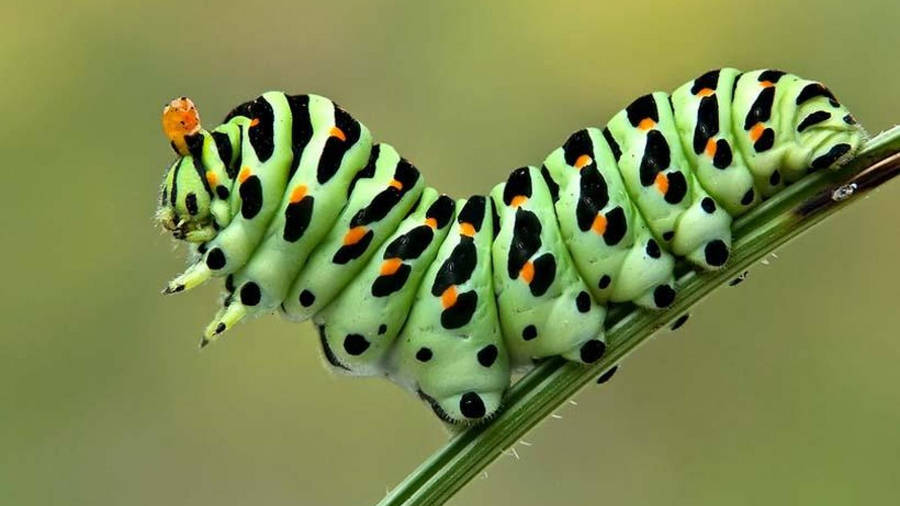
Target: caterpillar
(292, 202)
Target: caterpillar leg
(451, 350)
(545, 307)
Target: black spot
(616, 226)
(813, 90)
(471, 405)
(222, 192)
(607, 375)
(722, 158)
(707, 122)
(656, 157)
(261, 135)
(411, 244)
(250, 294)
(680, 321)
(551, 184)
(663, 296)
(355, 344)
(667, 236)
(472, 212)
(441, 210)
(576, 145)
(642, 107)
(761, 110)
(307, 298)
(297, 217)
(461, 312)
(529, 332)
(708, 80)
(613, 145)
(544, 274)
(457, 268)
(829, 158)
(747, 199)
(708, 205)
(848, 119)
(335, 148)
(583, 302)
(525, 241)
(812, 119)
(738, 280)
(592, 351)
(220, 328)
(716, 253)
(775, 178)
(251, 197)
(424, 355)
(215, 259)
(765, 141)
(604, 282)
(382, 329)
(386, 285)
(349, 252)
(487, 355)
(301, 128)
(677, 187)
(593, 197)
(202, 248)
(653, 249)
(518, 184)
(770, 75)
(190, 202)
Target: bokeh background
(783, 390)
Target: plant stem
(534, 397)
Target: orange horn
(179, 119)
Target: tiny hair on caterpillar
(292, 202)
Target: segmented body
(304, 215)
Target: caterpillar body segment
(611, 246)
(451, 350)
(545, 307)
(386, 190)
(679, 212)
(360, 325)
(291, 201)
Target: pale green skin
(693, 227)
(561, 328)
(634, 274)
(324, 278)
(277, 262)
(454, 369)
(344, 304)
(356, 311)
(728, 186)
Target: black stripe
(812, 119)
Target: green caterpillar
(292, 203)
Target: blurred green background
(782, 391)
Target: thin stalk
(544, 389)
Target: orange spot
(756, 132)
(467, 229)
(711, 148)
(212, 179)
(396, 184)
(390, 266)
(766, 84)
(431, 222)
(646, 124)
(527, 272)
(448, 298)
(354, 235)
(583, 161)
(337, 132)
(180, 118)
(705, 92)
(245, 173)
(254, 122)
(298, 193)
(518, 200)
(599, 225)
(662, 183)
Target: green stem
(545, 388)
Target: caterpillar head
(184, 207)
